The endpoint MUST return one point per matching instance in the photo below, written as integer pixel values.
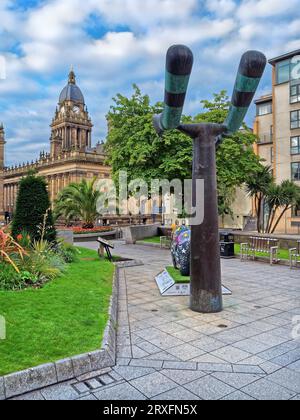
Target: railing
(265, 139)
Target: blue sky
(115, 43)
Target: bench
(295, 256)
(261, 245)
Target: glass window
(264, 109)
(272, 154)
(296, 171)
(296, 211)
(283, 71)
(295, 94)
(295, 120)
(295, 145)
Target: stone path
(167, 352)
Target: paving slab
(265, 390)
(209, 388)
(153, 384)
(168, 352)
(236, 380)
(120, 392)
(182, 377)
(177, 394)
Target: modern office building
(277, 125)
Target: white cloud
(144, 13)
(54, 35)
(221, 7)
(250, 9)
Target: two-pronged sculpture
(206, 286)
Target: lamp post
(206, 285)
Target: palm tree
(258, 184)
(281, 198)
(79, 201)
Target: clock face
(76, 109)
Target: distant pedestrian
(7, 218)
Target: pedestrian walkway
(168, 352)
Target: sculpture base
(206, 302)
(168, 287)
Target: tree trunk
(271, 219)
(280, 217)
(259, 203)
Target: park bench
(166, 241)
(265, 246)
(295, 256)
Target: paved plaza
(168, 352)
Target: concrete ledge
(151, 245)
(92, 237)
(42, 376)
(67, 235)
(132, 234)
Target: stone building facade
(71, 157)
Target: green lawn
(178, 278)
(153, 240)
(66, 317)
(283, 253)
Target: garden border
(29, 380)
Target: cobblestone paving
(167, 352)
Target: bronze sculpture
(206, 287)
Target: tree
(134, 146)
(79, 201)
(280, 199)
(33, 209)
(235, 156)
(258, 184)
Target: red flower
(20, 237)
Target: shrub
(43, 262)
(24, 239)
(32, 205)
(11, 280)
(67, 252)
(10, 250)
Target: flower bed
(82, 231)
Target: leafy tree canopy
(134, 146)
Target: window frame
(296, 212)
(264, 105)
(295, 147)
(297, 86)
(281, 65)
(298, 119)
(298, 171)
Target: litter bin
(227, 245)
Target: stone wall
(132, 234)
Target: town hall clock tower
(71, 127)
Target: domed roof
(71, 92)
